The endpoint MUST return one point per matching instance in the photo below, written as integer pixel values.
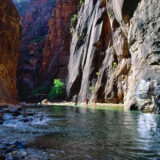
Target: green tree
(40, 90)
(57, 90)
(80, 2)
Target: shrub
(74, 17)
(97, 73)
(57, 90)
(114, 65)
(41, 90)
(80, 2)
(92, 89)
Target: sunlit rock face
(10, 35)
(144, 42)
(100, 59)
(57, 44)
(35, 15)
(115, 51)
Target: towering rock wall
(57, 44)
(144, 41)
(35, 15)
(10, 35)
(45, 42)
(115, 53)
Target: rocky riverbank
(21, 123)
(15, 122)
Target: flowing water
(66, 133)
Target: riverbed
(79, 133)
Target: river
(72, 133)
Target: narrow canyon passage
(45, 43)
(79, 79)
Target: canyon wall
(115, 54)
(35, 15)
(57, 44)
(45, 42)
(10, 35)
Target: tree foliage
(57, 90)
(41, 90)
(74, 17)
(80, 2)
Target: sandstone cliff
(45, 42)
(34, 21)
(115, 53)
(10, 35)
(57, 44)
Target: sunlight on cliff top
(19, 1)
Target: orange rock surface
(10, 33)
(57, 44)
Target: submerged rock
(1, 117)
(19, 145)
(2, 157)
(1, 121)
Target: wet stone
(15, 149)
(2, 157)
(16, 113)
(28, 114)
(7, 110)
(26, 120)
(1, 121)
(19, 145)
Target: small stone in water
(88, 156)
(52, 155)
(14, 153)
(16, 113)
(26, 120)
(1, 121)
(2, 157)
(19, 145)
(23, 154)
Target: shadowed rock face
(57, 44)
(45, 42)
(10, 35)
(115, 53)
(35, 15)
(96, 51)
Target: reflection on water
(90, 133)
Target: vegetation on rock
(41, 90)
(58, 90)
(74, 17)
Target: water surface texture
(85, 133)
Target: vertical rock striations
(10, 35)
(144, 41)
(35, 15)
(115, 53)
(93, 54)
(45, 42)
(57, 44)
